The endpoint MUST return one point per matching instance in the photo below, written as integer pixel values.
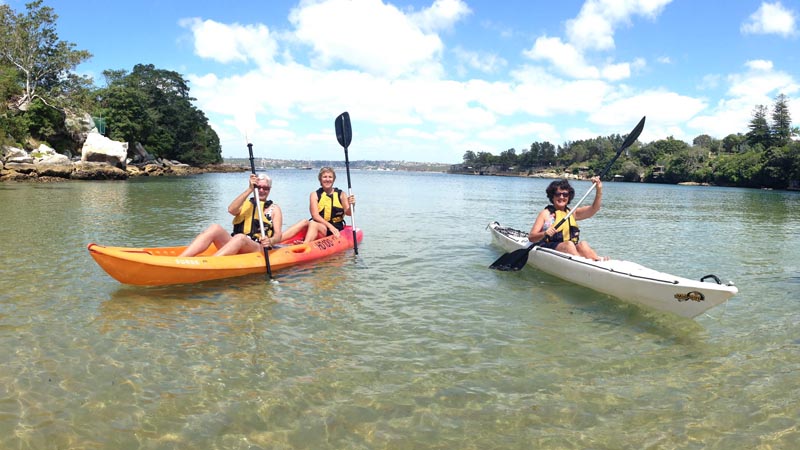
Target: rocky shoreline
(101, 159)
(21, 172)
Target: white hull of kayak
(625, 280)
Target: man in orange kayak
(246, 236)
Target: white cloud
(666, 112)
(759, 64)
(594, 26)
(368, 35)
(230, 43)
(530, 131)
(616, 72)
(564, 56)
(570, 61)
(442, 15)
(771, 18)
(483, 62)
(539, 93)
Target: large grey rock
(85, 170)
(99, 148)
(140, 155)
(44, 151)
(18, 155)
(20, 167)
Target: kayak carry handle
(716, 278)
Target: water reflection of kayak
(162, 265)
(625, 280)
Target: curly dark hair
(560, 185)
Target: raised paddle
(516, 260)
(260, 211)
(344, 134)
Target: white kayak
(625, 280)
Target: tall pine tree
(759, 128)
(781, 121)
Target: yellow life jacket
(330, 207)
(252, 227)
(568, 231)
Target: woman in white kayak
(566, 238)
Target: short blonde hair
(326, 169)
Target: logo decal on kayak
(325, 243)
(691, 295)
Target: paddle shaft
(260, 211)
(352, 207)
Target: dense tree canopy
(149, 106)
(153, 107)
(30, 43)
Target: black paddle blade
(344, 133)
(634, 134)
(511, 262)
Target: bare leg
(294, 229)
(213, 234)
(588, 252)
(568, 247)
(315, 231)
(240, 243)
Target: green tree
(12, 130)
(707, 142)
(547, 154)
(469, 157)
(739, 169)
(734, 143)
(30, 43)
(508, 158)
(630, 171)
(152, 106)
(686, 164)
(485, 159)
(781, 121)
(760, 133)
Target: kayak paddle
(260, 211)
(344, 134)
(517, 259)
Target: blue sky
(429, 80)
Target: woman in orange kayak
(246, 236)
(328, 206)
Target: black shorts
(338, 225)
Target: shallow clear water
(414, 343)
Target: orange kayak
(162, 265)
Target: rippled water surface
(412, 344)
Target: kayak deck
(625, 280)
(162, 265)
